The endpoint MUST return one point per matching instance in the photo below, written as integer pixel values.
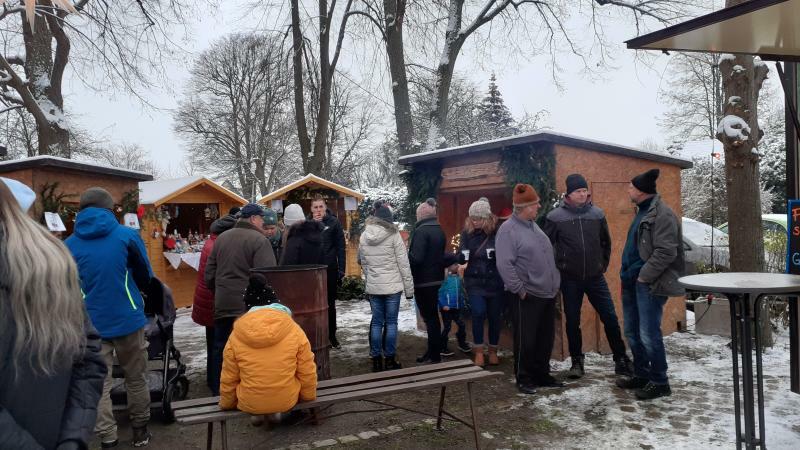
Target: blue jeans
(643, 311)
(385, 309)
(483, 307)
(596, 289)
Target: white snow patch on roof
(153, 191)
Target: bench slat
(182, 404)
(358, 395)
(395, 381)
(211, 417)
(389, 374)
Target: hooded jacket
(267, 365)
(203, 304)
(383, 258)
(113, 267)
(303, 244)
(227, 270)
(426, 253)
(581, 241)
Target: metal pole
(734, 303)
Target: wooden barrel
(304, 289)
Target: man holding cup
(527, 266)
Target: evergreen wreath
(422, 181)
(533, 164)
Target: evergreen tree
(494, 112)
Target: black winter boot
(576, 371)
(623, 366)
(391, 363)
(377, 363)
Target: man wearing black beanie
(652, 261)
(579, 233)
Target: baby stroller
(167, 381)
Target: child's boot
(477, 352)
(493, 359)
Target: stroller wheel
(181, 388)
(167, 414)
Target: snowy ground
(591, 412)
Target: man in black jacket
(426, 256)
(579, 233)
(333, 254)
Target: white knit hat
(480, 208)
(293, 214)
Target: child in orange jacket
(268, 365)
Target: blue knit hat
(279, 307)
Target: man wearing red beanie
(527, 266)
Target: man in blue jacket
(113, 267)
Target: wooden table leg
(474, 418)
(441, 408)
(209, 435)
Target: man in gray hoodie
(526, 264)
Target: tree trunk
(45, 76)
(454, 39)
(742, 78)
(317, 160)
(394, 13)
(299, 97)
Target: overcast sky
(622, 107)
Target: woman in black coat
(303, 239)
(51, 371)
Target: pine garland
(422, 181)
(533, 164)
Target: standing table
(744, 291)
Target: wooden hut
(458, 176)
(342, 201)
(180, 206)
(59, 182)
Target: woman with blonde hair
(51, 372)
(481, 279)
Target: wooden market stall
(490, 169)
(181, 211)
(342, 201)
(59, 182)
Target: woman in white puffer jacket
(384, 260)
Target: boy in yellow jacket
(268, 365)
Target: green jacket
(660, 246)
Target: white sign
(131, 220)
(277, 206)
(350, 204)
(54, 222)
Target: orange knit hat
(524, 195)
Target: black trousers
(222, 330)
(210, 380)
(534, 333)
(428, 305)
(333, 288)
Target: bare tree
(107, 43)
(126, 156)
(236, 113)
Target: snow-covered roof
(161, 191)
(72, 164)
(311, 179)
(545, 136)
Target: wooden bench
(357, 388)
